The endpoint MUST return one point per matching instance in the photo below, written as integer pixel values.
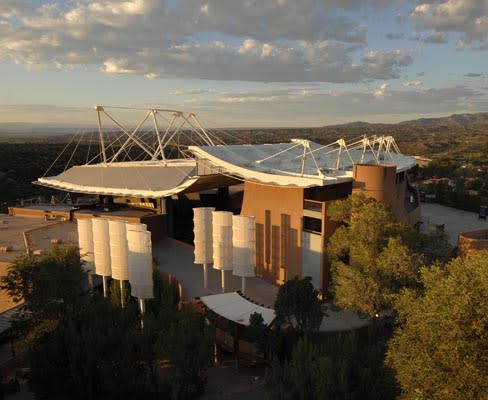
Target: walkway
(456, 221)
(177, 258)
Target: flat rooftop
(11, 234)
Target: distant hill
(355, 124)
(455, 119)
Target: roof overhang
(234, 307)
(146, 179)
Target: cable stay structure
(169, 151)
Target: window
(312, 225)
(400, 177)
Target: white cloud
(412, 83)
(466, 18)
(302, 41)
(382, 91)
(182, 92)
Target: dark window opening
(312, 225)
(400, 177)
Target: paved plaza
(456, 221)
(176, 258)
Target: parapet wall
(472, 241)
(46, 214)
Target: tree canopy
(86, 346)
(373, 256)
(440, 348)
(50, 284)
(297, 305)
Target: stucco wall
(312, 257)
(379, 182)
(278, 213)
(472, 241)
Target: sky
(243, 63)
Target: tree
(297, 305)
(342, 367)
(50, 286)
(372, 256)
(188, 345)
(440, 347)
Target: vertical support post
(243, 285)
(98, 109)
(122, 294)
(26, 243)
(205, 276)
(223, 280)
(236, 345)
(105, 286)
(142, 307)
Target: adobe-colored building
(472, 241)
(287, 187)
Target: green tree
(342, 367)
(297, 378)
(188, 346)
(370, 261)
(297, 305)
(440, 348)
(50, 285)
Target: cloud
(395, 36)
(321, 106)
(316, 105)
(435, 37)
(382, 91)
(466, 18)
(182, 92)
(265, 41)
(381, 65)
(412, 83)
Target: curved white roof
(234, 307)
(300, 163)
(133, 178)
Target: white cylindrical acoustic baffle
(101, 250)
(244, 247)
(222, 242)
(140, 263)
(85, 242)
(135, 226)
(202, 231)
(119, 254)
(118, 249)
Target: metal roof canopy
(117, 174)
(302, 163)
(234, 307)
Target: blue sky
(244, 63)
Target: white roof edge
(237, 308)
(291, 180)
(71, 187)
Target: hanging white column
(140, 264)
(119, 254)
(222, 242)
(101, 251)
(244, 247)
(85, 243)
(202, 231)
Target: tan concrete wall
(472, 241)
(39, 213)
(278, 212)
(379, 182)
